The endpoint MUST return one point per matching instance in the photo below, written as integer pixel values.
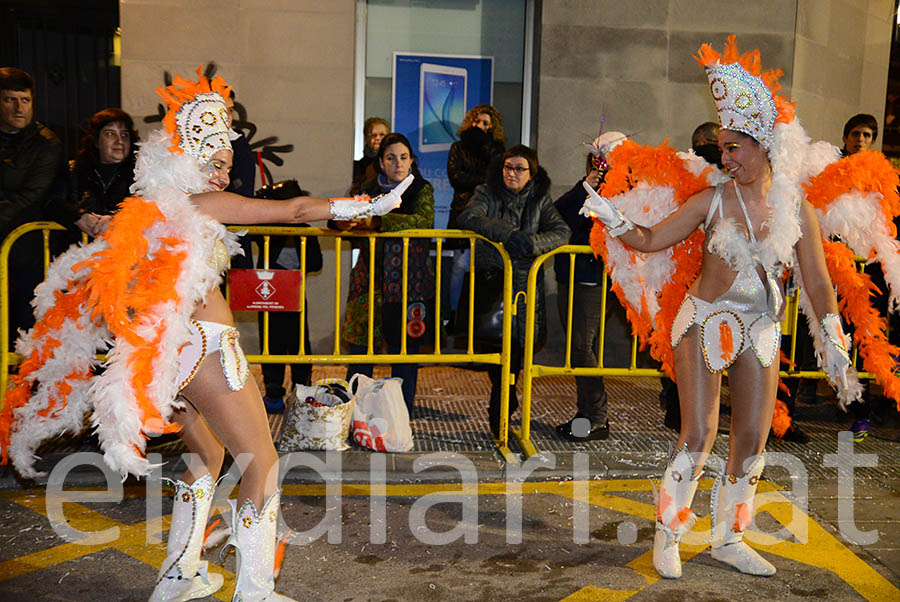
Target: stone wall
(841, 60)
(632, 63)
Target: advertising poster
(431, 95)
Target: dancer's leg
(699, 392)
(753, 389)
(209, 453)
(238, 419)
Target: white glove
(601, 208)
(343, 209)
(386, 203)
(837, 349)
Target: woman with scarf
(396, 163)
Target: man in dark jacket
(32, 176)
(591, 421)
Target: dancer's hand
(601, 208)
(388, 202)
(837, 349)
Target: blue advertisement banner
(431, 95)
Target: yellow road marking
(822, 550)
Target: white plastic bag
(380, 417)
(318, 419)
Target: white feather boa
(165, 179)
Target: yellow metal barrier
(530, 370)
(438, 356)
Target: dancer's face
(744, 158)
(217, 170)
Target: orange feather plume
(855, 289)
(660, 165)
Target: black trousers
(284, 339)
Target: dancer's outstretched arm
(230, 208)
(666, 233)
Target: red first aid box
(264, 290)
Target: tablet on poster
(431, 95)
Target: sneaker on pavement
(860, 430)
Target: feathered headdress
(746, 97)
(197, 119)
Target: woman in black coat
(514, 208)
(481, 142)
(103, 170)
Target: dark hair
(527, 153)
(394, 138)
(864, 119)
(89, 142)
(705, 131)
(15, 79)
(372, 122)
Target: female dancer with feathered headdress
(702, 281)
(149, 287)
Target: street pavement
(452, 521)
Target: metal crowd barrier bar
(438, 356)
(531, 370)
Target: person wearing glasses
(514, 207)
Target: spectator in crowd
(860, 132)
(32, 182)
(416, 211)
(366, 167)
(705, 142)
(481, 142)
(591, 419)
(103, 170)
(514, 207)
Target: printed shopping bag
(318, 418)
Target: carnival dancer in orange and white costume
(148, 286)
(702, 279)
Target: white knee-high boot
(253, 537)
(673, 513)
(183, 576)
(732, 512)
